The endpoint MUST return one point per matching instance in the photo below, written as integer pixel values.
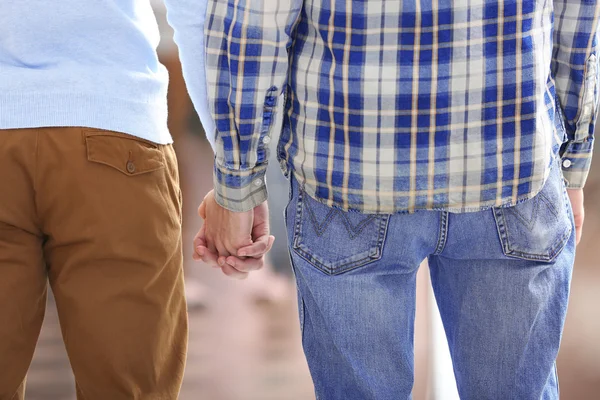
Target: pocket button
(130, 167)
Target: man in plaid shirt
(450, 130)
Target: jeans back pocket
(336, 241)
(539, 228)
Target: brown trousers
(98, 215)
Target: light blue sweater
(188, 18)
(89, 63)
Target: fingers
(202, 251)
(233, 272)
(207, 256)
(200, 238)
(271, 242)
(245, 265)
(579, 218)
(221, 249)
(576, 197)
(224, 233)
(578, 231)
(260, 247)
(251, 262)
(202, 210)
(212, 259)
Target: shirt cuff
(240, 190)
(576, 163)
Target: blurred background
(244, 336)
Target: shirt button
(567, 163)
(266, 140)
(258, 182)
(130, 167)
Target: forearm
(188, 17)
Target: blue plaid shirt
(395, 105)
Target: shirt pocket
(127, 154)
(335, 241)
(537, 229)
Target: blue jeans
(501, 278)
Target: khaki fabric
(96, 214)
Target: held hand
(576, 197)
(226, 231)
(235, 242)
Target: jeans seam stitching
(342, 267)
(443, 233)
(383, 228)
(552, 253)
(557, 381)
(504, 236)
(298, 226)
(320, 228)
(335, 270)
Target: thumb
(202, 210)
(260, 226)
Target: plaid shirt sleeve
(246, 69)
(575, 66)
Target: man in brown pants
(89, 198)
(98, 213)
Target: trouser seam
(443, 233)
(557, 381)
(35, 182)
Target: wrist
(240, 190)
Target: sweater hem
(39, 110)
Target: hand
(576, 198)
(235, 242)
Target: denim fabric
(501, 279)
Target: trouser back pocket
(335, 241)
(539, 228)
